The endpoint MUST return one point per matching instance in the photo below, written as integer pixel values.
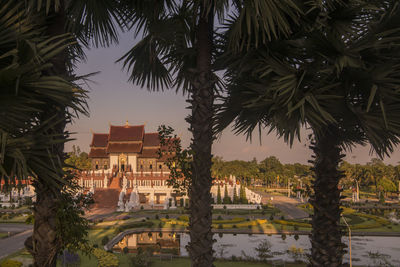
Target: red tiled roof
(151, 139)
(149, 153)
(98, 153)
(99, 140)
(126, 133)
(124, 147)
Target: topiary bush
(142, 258)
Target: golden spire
(127, 123)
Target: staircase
(105, 198)
(115, 183)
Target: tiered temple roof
(125, 139)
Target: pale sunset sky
(113, 99)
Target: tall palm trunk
(45, 241)
(327, 247)
(200, 246)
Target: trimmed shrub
(142, 259)
(30, 219)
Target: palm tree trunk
(327, 248)
(44, 240)
(45, 243)
(200, 246)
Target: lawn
(3, 235)
(95, 236)
(16, 219)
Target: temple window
(151, 166)
(141, 166)
(160, 167)
(97, 165)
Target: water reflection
(366, 251)
(156, 242)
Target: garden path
(286, 205)
(14, 243)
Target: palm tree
(177, 50)
(179, 47)
(89, 22)
(27, 139)
(336, 73)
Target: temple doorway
(122, 163)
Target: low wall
(236, 206)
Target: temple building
(126, 149)
(129, 172)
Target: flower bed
(233, 220)
(11, 263)
(175, 222)
(238, 225)
(233, 223)
(292, 223)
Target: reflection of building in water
(156, 241)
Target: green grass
(16, 219)
(95, 236)
(3, 235)
(21, 256)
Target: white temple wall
(132, 161)
(113, 160)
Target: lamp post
(348, 227)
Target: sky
(114, 100)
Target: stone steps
(115, 183)
(105, 198)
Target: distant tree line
(375, 176)
(77, 159)
(269, 172)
